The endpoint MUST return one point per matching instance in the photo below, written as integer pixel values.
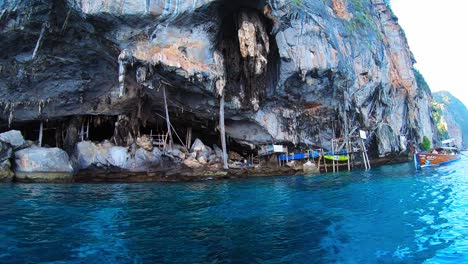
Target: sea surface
(391, 214)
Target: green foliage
(426, 144)
(452, 110)
(422, 84)
(362, 20)
(438, 115)
(297, 2)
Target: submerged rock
(43, 164)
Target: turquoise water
(391, 214)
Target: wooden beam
(82, 131)
(65, 23)
(222, 131)
(39, 40)
(87, 130)
(168, 122)
(41, 127)
(188, 138)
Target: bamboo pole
(189, 137)
(87, 130)
(333, 155)
(364, 160)
(82, 131)
(65, 23)
(41, 128)
(347, 149)
(168, 122)
(39, 40)
(325, 162)
(222, 130)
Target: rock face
(451, 117)
(298, 72)
(5, 167)
(42, 164)
(106, 156)
(13, 138)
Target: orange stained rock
(339, 6)
(171, 55)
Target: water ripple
(391, 214)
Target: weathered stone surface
(145, 142)
(197, 146)
(6, 174)
(389, 141)
(107, 156)
(12, 137)
(310, 167)
(291, 71)
(192, 163)
(218, 151)
(232, 155)
(451, 118)
(5, 152)
(43, 164)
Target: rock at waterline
(5, 152)
(6, 174)
(43, 164)
(12, 137)
(310, 167)
(106, 156)
(197, 146)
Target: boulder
(218, 151)
(106, 155)
(192, 163)
(202, 160)
(5, 151)
(145, 142)
(43, 164)
(117, 156)
(310, 167)
(213, 158)
(197, 146)
(6, 174)
(234, 156)
(86, 154)
(13, 137)
(143, 160)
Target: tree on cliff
(426, 144)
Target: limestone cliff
(450, 115)
(298, 72)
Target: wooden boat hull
(422, 160)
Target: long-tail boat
(438, 156)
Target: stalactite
(10, 118)
(125, 58)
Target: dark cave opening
(100, 127)
(250, 52)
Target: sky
(437, 33)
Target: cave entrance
(250, 52)
(100, 127)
